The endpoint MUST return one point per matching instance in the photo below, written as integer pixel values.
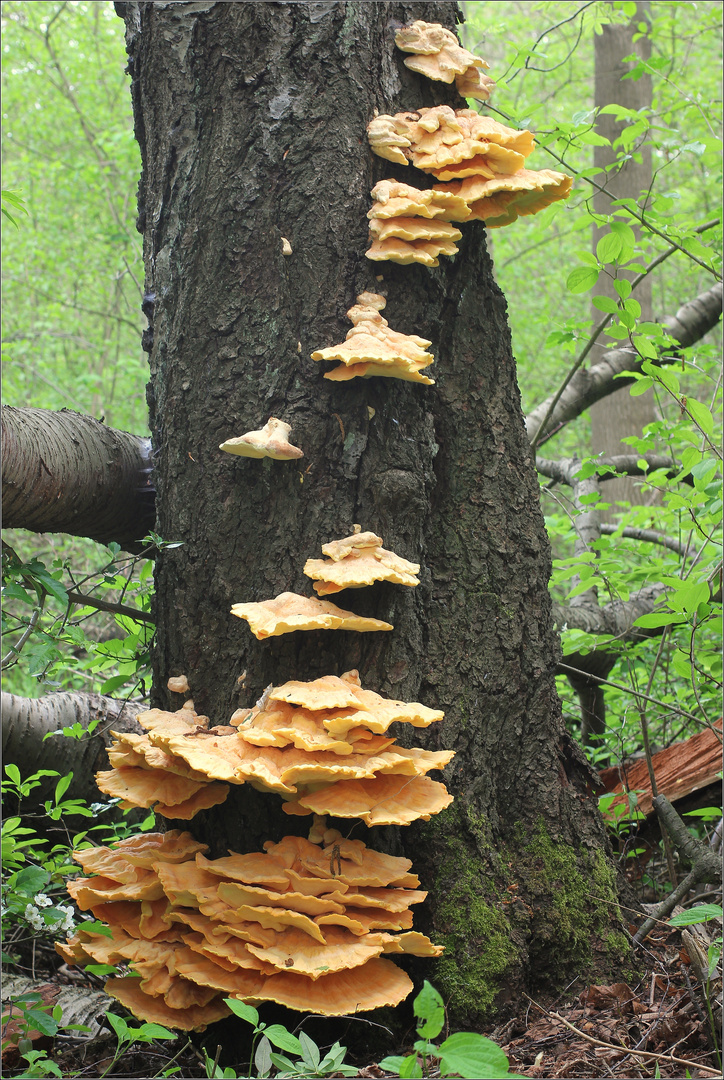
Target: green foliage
(34, 871)
(309, 1060)
(72, 319)
(47, 627)
(128, 1034)
(700, 914)
(462, 1054)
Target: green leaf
(699, 914)
(659, 618)
(429, 1007)
(262, 1057)
(241, 1009)
(410, 1067)
(622, 287)
(62, 786)
(310, 1051)
(153, 1031)
(605, 303)
(31, 880)
(645, 347)
(283, 1039)
(51, 585)
(608, 248)
(17, 592)
(472, 1056)
(700, 415)
(14, 773)
(392, 1064)
(581, 279)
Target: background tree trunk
(251, 120)
(66, 472)
(620, 415)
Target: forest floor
(657, 1026)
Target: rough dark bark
(251, 121)
(66, 472)
(26, 722)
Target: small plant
(126, 1036)
(309, 1060)
(706, 964)
(465, 1054)
(27, 1018)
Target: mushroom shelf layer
(356, 561)
(372, 347)
(303, 924)
(438, 54)
(290, 611)
(318, 744)
(482, 165)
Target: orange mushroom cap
(356, 561)
(290, 611)
(377, 983)
(155, 1010)
(270, 441)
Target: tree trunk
(251, 120)
(66, 472)
(620, 415)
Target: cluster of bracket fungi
(305, 922)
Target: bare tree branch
(692, 321)
(563, 470)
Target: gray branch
(692, 321)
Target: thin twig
(601, 326)
(635, 693)
(14, 650)
(116, 609)
(625, 1049)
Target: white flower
(42, 900)
(69, 920)
(33, 916)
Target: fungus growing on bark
(178, 684)
(373, 348)
(300, 737)
(303, 924)
(270, 441)
(395, 199)
(501, 200)
(290, 611)
(356, 561)
(441, 136)
(439, 56)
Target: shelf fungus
(300, 738)
(270, 441)
(373, 348)
(439, 56)
(439, 137)
(501, 200)
(303, 923)
(356, 561)
(478, 161)
(290, 611)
